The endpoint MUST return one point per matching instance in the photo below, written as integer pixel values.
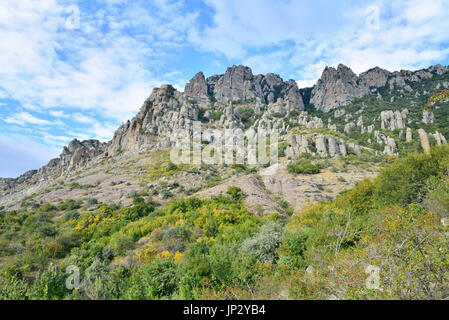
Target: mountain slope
(360, 187)
(378, 112)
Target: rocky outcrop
(428, 117)
(230, 118)
(338, 87)
(78, 153)
(299, 145)
(424, 138)
(309, 122)
(6, 184)
(162, 113)
(339, 113)
(375, 78)
(335, 88)
(197, 89)
(393, 120)
(349, 127)
(390, 147)
(439, 138)
(320, 145)
(238, 84)
(409, 135)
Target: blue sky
(63, 77)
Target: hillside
(377, 113)
(361, 162)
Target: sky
(78, 69)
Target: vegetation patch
(303, 167)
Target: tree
(49, 284)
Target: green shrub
(247, 115)
(294, 246)
(61, 245)
(157, 280)
(221, 261)
(236, 193)
(438, 199)
(121, 243)
(283, 204)
(71, 215)
(194, 268)
(92, 201)
(216, 115)
(172, 167)
(139, 210)
(175, 238)
(282, 148)
(70, 205)
(102, 283)
(406, 180)
(263, 246)
(303, 167)
(12, 288)
(49, 284)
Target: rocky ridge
(339, 86)
(218, 102)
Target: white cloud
(52, 67)
(25, 118)
(294, 37)
(3, 94)
(418, 11)
(103, 131)
(58, 114)
(90, 79)
(81, 118)
(268, 63)
(240, 26)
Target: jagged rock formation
(375, 78)
(6, 184)
(320, 145)
(197, 88)
(390, 147)
(393, 120)
(77, 155)
(428, 117)
(338, 87)
(349, 127)
(277, 106)
(425, 143)
(440, 139)
(309, 122)
(163, 112)
(339, 113)
(409, 135)
(238, 84)
(335, 88)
